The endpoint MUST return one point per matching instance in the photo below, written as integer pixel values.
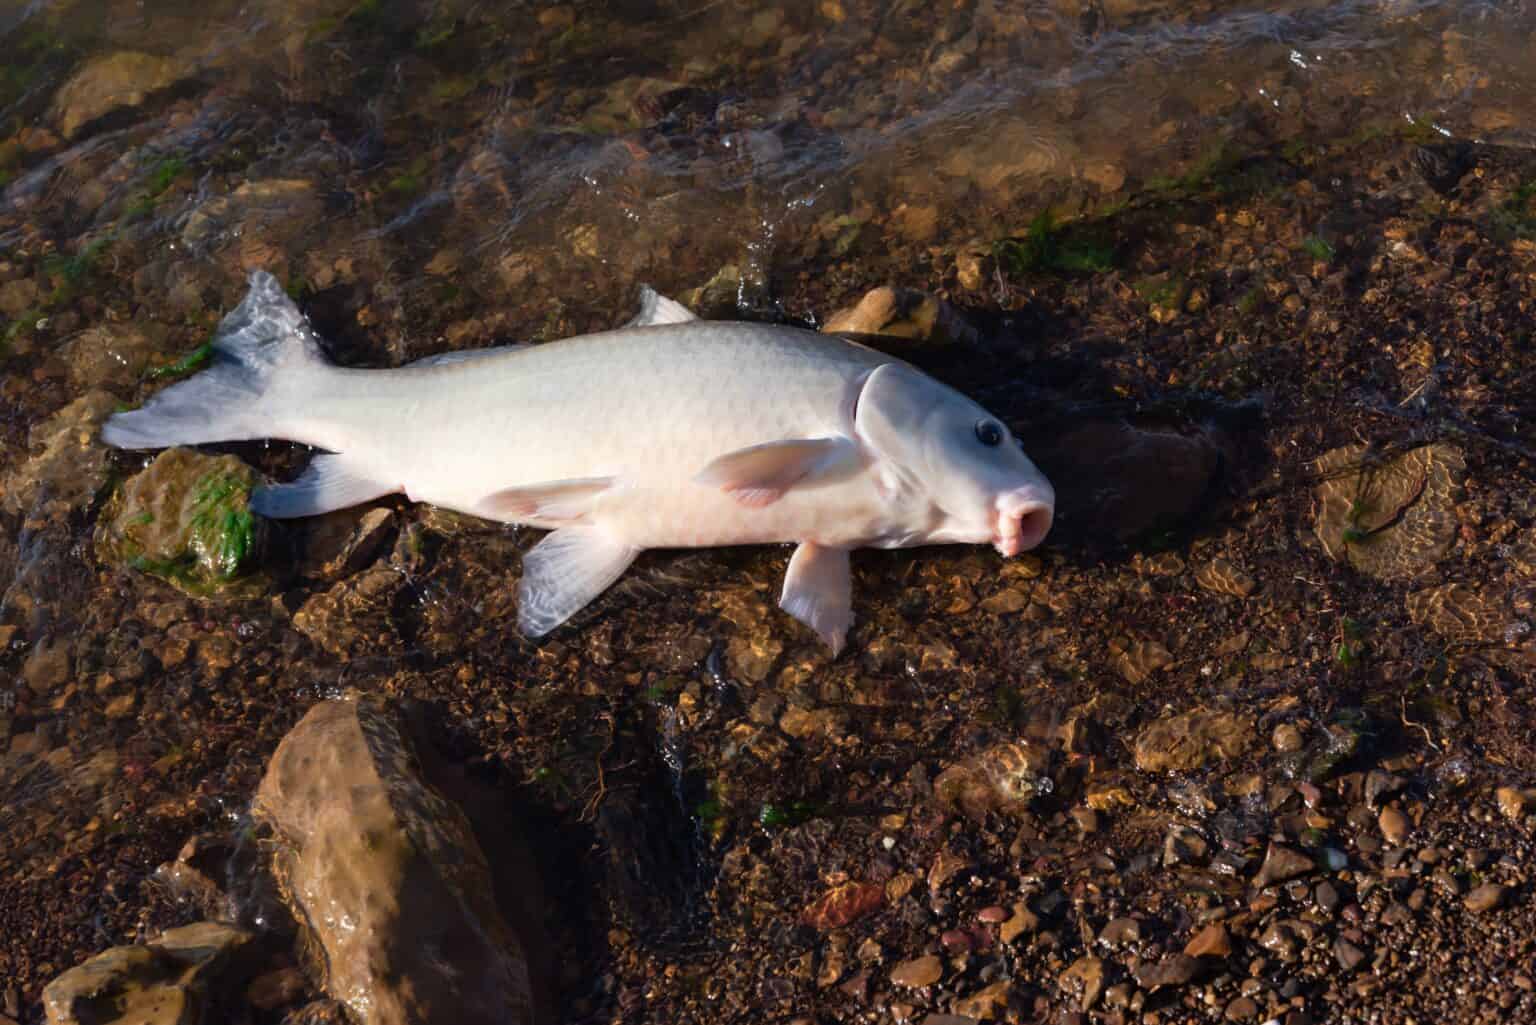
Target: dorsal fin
(656, 308)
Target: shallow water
(564, 150)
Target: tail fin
(264, 359)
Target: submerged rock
(168, 982)
(185, 519)
(903, 313)
(1183, 742)
(69, 465)
(388, 876)
(1390, 518)
(113, 82)
(1004, 778)
(108, 356)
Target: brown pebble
(918, 972)
(1393, 825)
(992, 914)
(1212, 941)
(1486, 897)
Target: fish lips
(1024, 517)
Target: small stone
(1393, 825)
(918, 972)
(1086, 818)
(1515, 803)
(1282, 863)
(843, 905)
(1242, 1009)
(1173, 970)
(1023, 922)
(1380, 786)
(1486, 898)
(1183, 845)
(1120, 931)
(992, 914)
(1084, 978)
(1347, 954)
(903, 313)
(1212, 941)
(984, 1005)
(1287, 738)
(1327, 897)
(121, 706)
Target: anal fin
(328, 483)
(564, 572)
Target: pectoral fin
(565, 571)
(550, 503)
(818, 591)
(759, 475)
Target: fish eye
(989, 433)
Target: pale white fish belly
(648, 406)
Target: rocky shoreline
(1253, 738)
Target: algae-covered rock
(185, 519)
(1391, 518)
(164, 983)
(388, 878)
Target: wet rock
(1225, 577)
(1173, 970)
(69, 463)
(1460, 613)
(113, 82)
(1515, 803)
(18, 296)
(1003, 778)
(1138, 659)
(1023, 922)
(1393, 825)
(1123, 481)
(987, 1004)
(1084, 978)
(1183, 846)
(717, 298)
(1486, 898)
(173, 981)
(343, 543)
(843, 905)
(261, 216)
(917, 973)
(1391, 518)
(903, 313)
(109, 356)
(1118, 932)
(355, 617)
(185, 519)
(1282, 863)
(1212, 941)
(1349, 956)
(388, 876)
(1188, 740)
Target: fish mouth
(1023, 519)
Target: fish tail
(265, 361)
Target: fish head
(961, 471)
